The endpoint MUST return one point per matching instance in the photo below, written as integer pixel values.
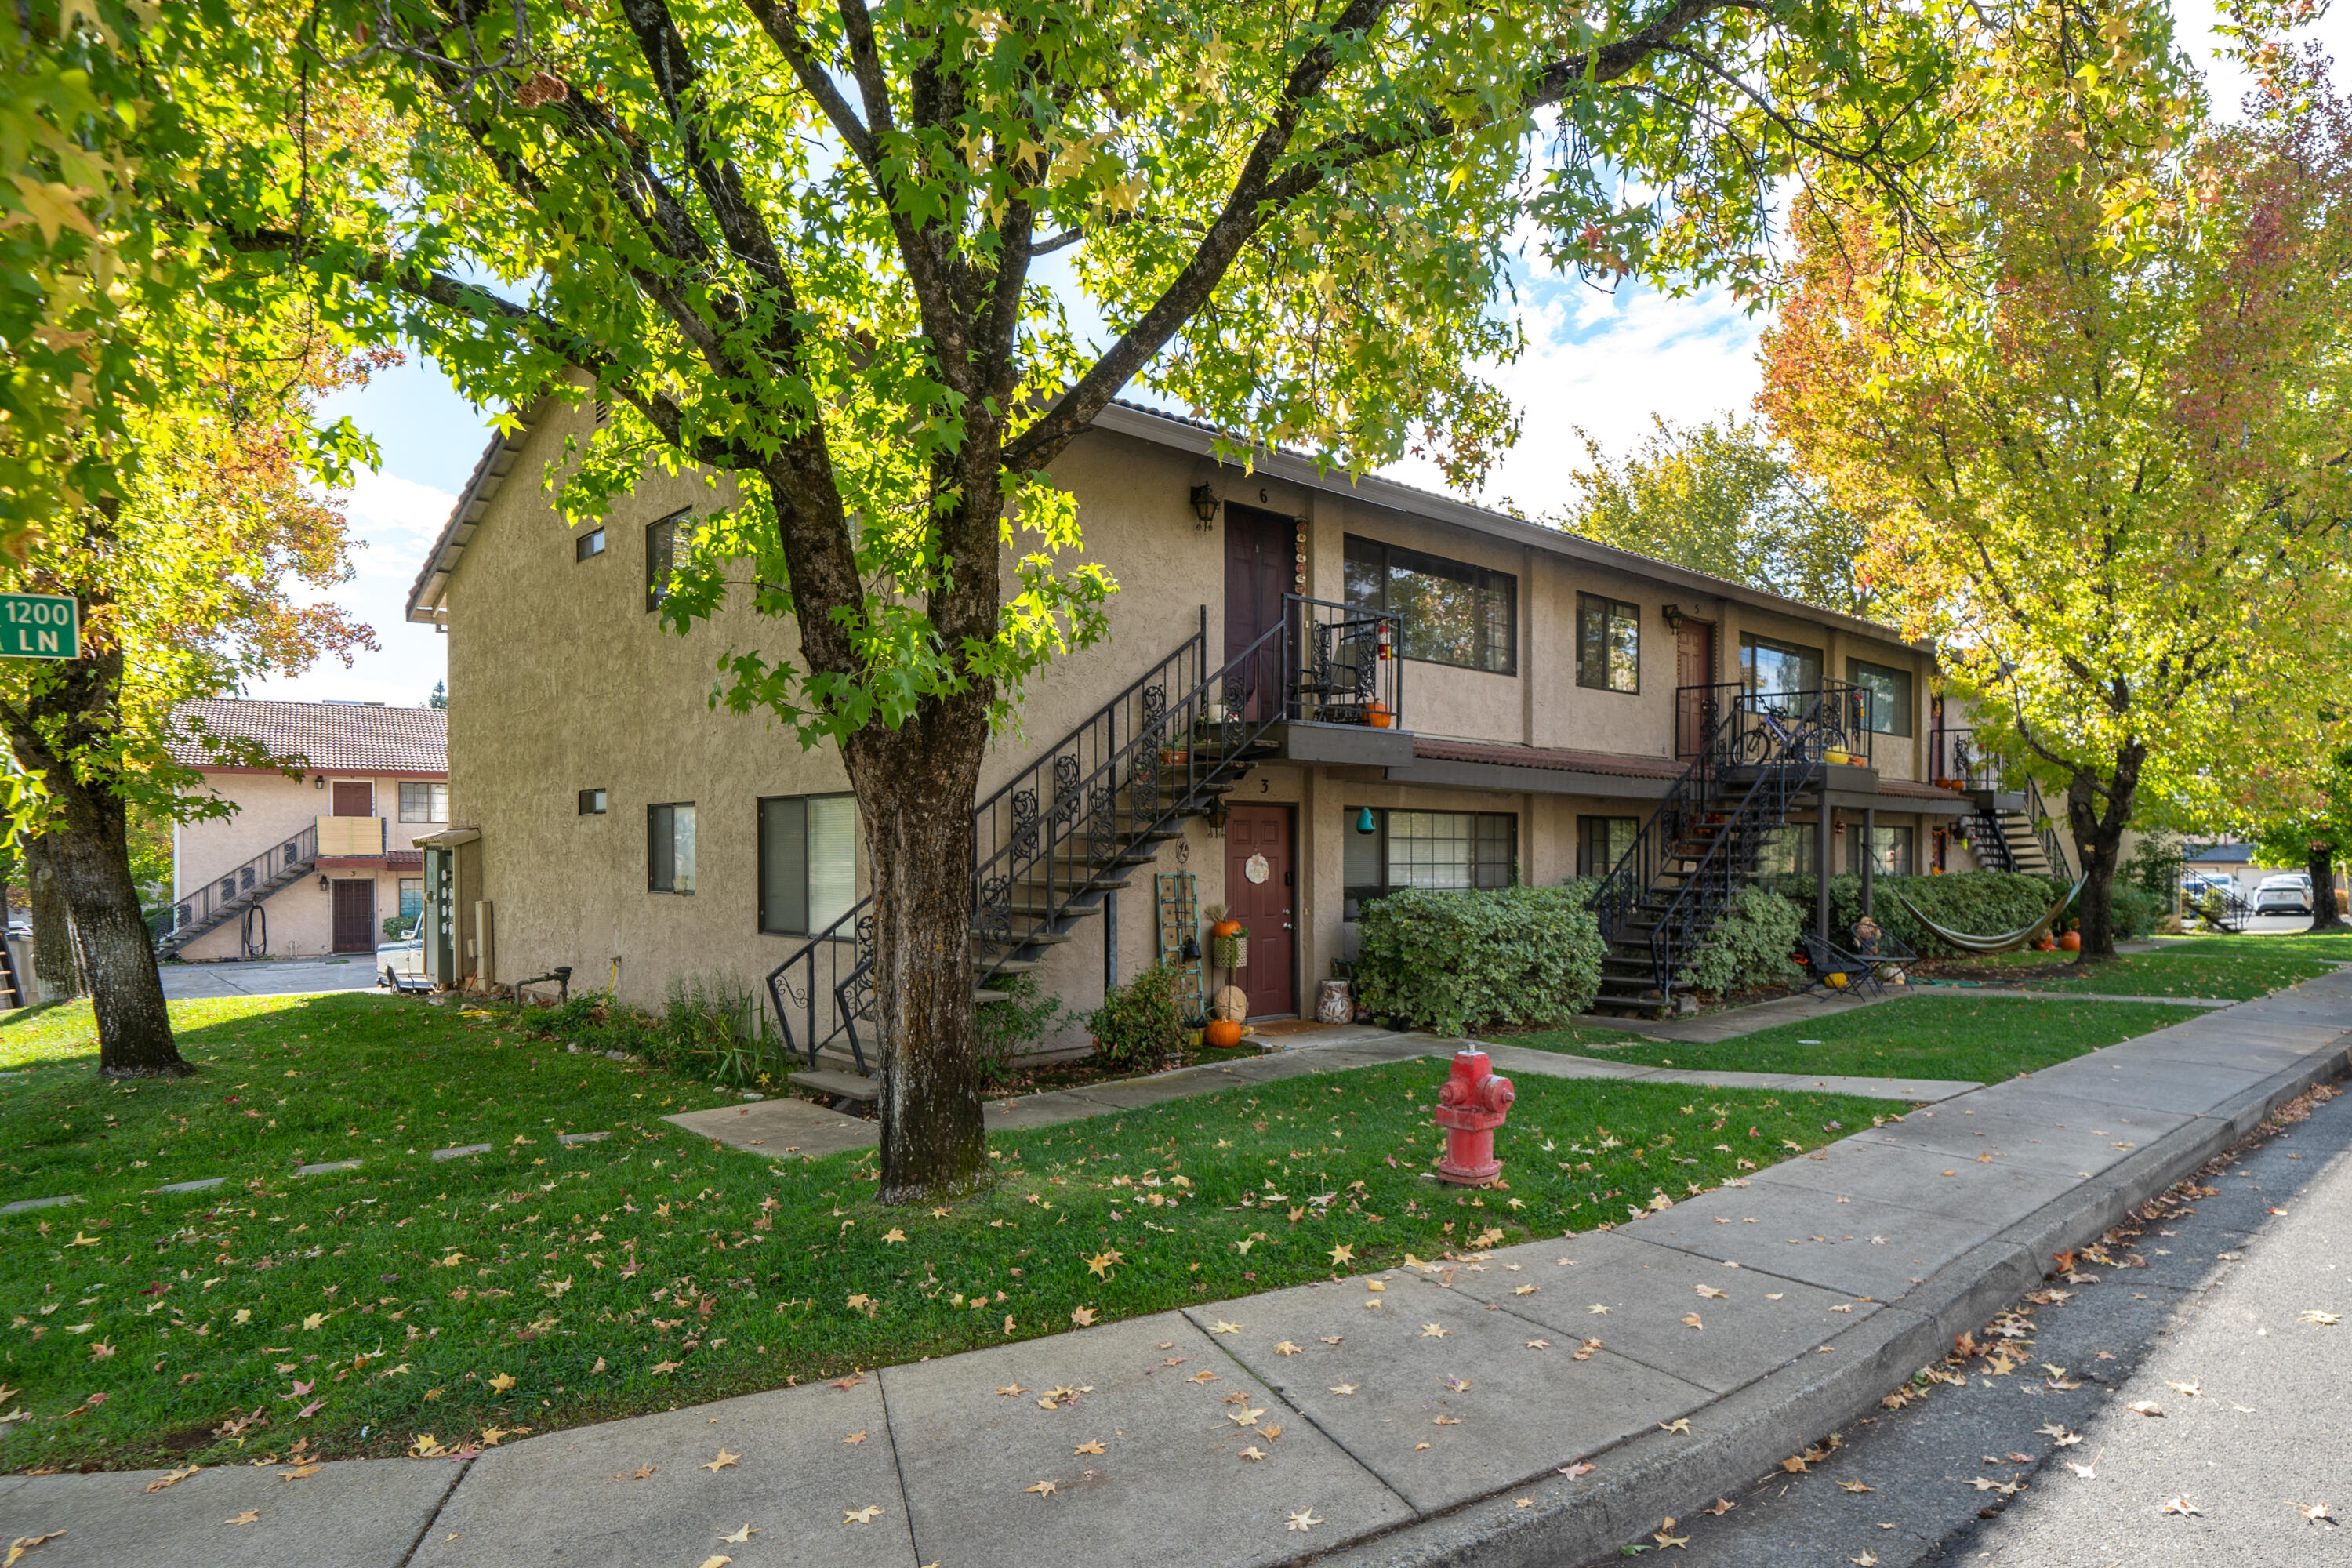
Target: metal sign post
(39, 626)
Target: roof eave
(498, 460)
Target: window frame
(1749, 642)
(1899, 705)
(588, 546)
(433, 791)
(661, 849)
(1480, 580)
(657, 576)
(400, 897)
(596, 801)
(1483, 871)
(1587, 649)
(808, 924)
(1585, 864)
(1897, 837)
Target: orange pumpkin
(2072, 942)
(1224, 1034)
(1225, 928)
(1378, 716)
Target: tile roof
(332, 737)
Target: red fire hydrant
(1471, 1104)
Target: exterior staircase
(2011, 829)
(1761, 756)
(1081, 822)
(227, 898)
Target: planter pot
(1333, 1004)
(1230, 953)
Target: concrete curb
(1748, 1432)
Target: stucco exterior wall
(272, 809)
(561, 682)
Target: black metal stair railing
(1043, 842)
(1757, 753)
(213, 902)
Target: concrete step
(831, 1080)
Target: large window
(1608, 644)
(1445, 851)
(1890, 849)
(1889, 693)
(424, 802)
(1451, 613)
(808, 861)
(669, 848)
(1791, 851)
(1602, 842)
(667, 544)
(1769, 668)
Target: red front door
(354, 799)
(1694, 679)
(1258, 893)
(1261, 559)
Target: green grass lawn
(541, 1284)
(1946, 1036)
(2336, 946)
(2236, 973)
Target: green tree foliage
(1722, 498)
(2316, 835)
(807, 250)
(2098, 432)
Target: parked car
(2288, 894)
(400, 963)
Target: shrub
(1453, 962)
(2135, 910)
(1980, 902)
(714, 1025)
(1748, 948)
(1139, 1024)
(1007, 1029)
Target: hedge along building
(1312, 691)
(314, 858)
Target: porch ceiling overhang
(1541, 770)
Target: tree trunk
(915, 790)
(2322, 867)
(92, 860)
(54, 958)
(2098, 839)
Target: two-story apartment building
(1372, 685)
(313, 864)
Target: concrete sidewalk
(1415, 1415)
(794, 1126)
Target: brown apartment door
(1261, 548)
(1258, 893)
(1694, 675)
(354, 915)
(354, 799)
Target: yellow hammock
(2009, 942)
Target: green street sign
(39, 626)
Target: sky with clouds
(1606, 362)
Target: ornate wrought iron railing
(1756, 752)
(207, 906)
(1958, 762)
(1042, 840)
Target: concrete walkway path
(1534, 1404)
(269, 977)
(788, 1126)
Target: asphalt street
(2222, 1296)
(269, 977)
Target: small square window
(424, 802)
(592, 803)
(589, 545)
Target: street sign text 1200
(39, 626)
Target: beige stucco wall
(560, 680)
(272, 809)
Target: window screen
(808, 861)
(1888, 691)
(1608, 644)
(424, 802)
(1451, 613)
(669, 848)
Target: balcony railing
(1957, 761)
(1829, 723)
(272, 865)
(350, 836)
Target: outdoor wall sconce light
(322, 882)
(1365, 822)
(1204, 505)
(1673, 615)
(1217, 817)
(320, 782)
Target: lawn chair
(1858, 962)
